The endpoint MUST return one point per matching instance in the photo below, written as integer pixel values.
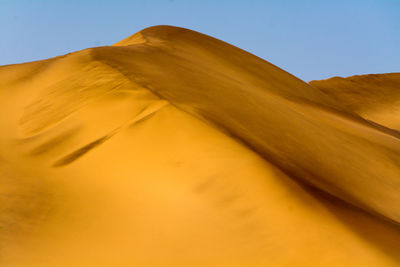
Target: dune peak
(174, 147)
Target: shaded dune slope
(160, 131)
(374, 97)
(270, 110)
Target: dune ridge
(373, 97)
(256, 92)
(175, 138)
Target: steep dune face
(375, 97)
(172, 148)
(270, 110)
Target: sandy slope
(375, 97)
(172, 148)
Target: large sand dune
(375, 97)
(172, 148)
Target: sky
(312, 39)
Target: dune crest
(192, 71)
(174, 148)
(374, 97)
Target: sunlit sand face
(164, 151)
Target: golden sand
(172, 148)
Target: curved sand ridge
(268, 109)
(375, 97)
(140, 152)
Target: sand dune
(172, 148)
(374, 97)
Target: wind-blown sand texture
(172, 148)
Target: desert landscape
(173, 148)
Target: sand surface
(172, 148)
(375, 97)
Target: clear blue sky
(313, 39)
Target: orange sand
(172, 148)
